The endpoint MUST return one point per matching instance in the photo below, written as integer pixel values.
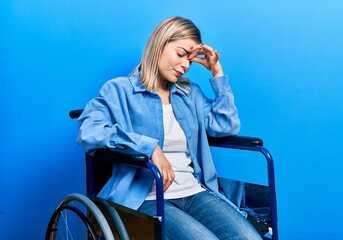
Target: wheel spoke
(77, 217)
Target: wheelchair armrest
(120, 155)
(235, 140)
(75, 113)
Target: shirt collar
(174, 89)
(134, 78)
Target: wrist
(156, 154)
(217, 70)
(218, 75)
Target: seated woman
(158, 112)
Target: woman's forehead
(183, 43)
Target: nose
(185, 64)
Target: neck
(164, 94)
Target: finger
(202, 49)
(167, 183)
(198, 60)
(195, 50)
(207, 49)
(217, 54)
(168, 178)
(195, 53)
(195, 47)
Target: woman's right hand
(162, 163)
(210, 59)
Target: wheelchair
(90, 217)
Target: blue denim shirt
(126, 113)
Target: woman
(158, 112)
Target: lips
(178, 74)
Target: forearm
(96, 130)
(222, 115)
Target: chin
(172, 79)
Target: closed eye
(180, 55)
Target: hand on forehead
(207, 56)
(200, 49)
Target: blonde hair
(172, 29)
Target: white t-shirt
(176, 151)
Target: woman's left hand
(210, 59)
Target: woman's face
(173, 62)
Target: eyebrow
(184, 49)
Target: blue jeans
(202, 216)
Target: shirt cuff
(147, 145)
(220, 84)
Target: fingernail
(201, 44)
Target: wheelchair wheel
(77, 217)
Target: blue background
(284, 60)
